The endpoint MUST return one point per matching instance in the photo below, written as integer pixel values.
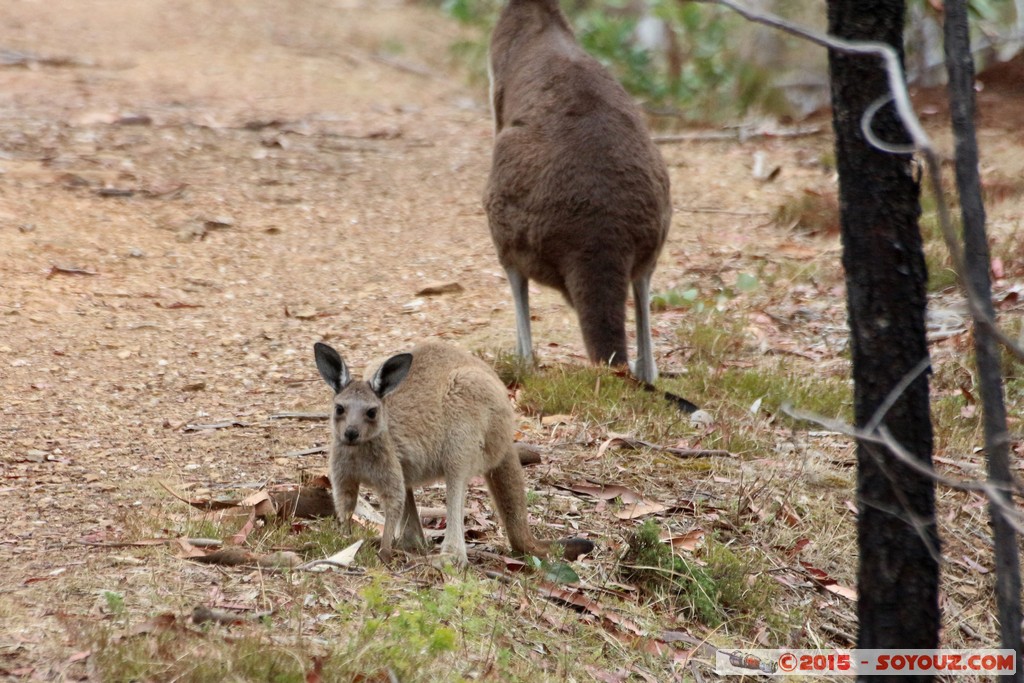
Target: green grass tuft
(600, 396)
(662, 575)
(717, 587)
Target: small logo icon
(744, 661)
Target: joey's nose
(351, 434)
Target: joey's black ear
(390, 374)
(332, 368)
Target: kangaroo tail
(598, 293)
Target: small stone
(701, 418)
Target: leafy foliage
(692, 65)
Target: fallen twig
(308, 451)
(68, 270)
(215, 425)
(203, 614)
(727, 212)
(298, 416)
(630, 442)
(739, 133)
(29, 59)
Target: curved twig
(869, 133)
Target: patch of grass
(512, 369)
(662, 575)
(209, 526)
(455, 630)
(828, 396)
(599, 395)
(941, 275)
(732, 391)
(955, 432)
(175, 654)
(747, 595)
(408, 635)
(717, 587)
(712, 340)
(115, 602)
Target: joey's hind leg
(508, 489)
(412, 531)
(521, 300)
(454, 543)
(644, 369)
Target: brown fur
(578, 197)
(448, 419)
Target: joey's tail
(598, 293)
(508, 488)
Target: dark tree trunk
(960, 65)
(885, 281)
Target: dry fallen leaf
(822, 579)
(842, 591)
(342, 558)
(792, 551)
(688, 541)
(603, 491)
(158, 624)
(640, 509)
(187, 551)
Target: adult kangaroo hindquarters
(578, 196)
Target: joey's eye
(339, 410)
(371, 413)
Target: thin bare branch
(882, 436)
(894, 395)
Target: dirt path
(286, 185)
(193, 192)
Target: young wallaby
(578, 197)
(437, 413)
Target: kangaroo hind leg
(412, 538)
(508, 489)
(521, 300)
(644, 369)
